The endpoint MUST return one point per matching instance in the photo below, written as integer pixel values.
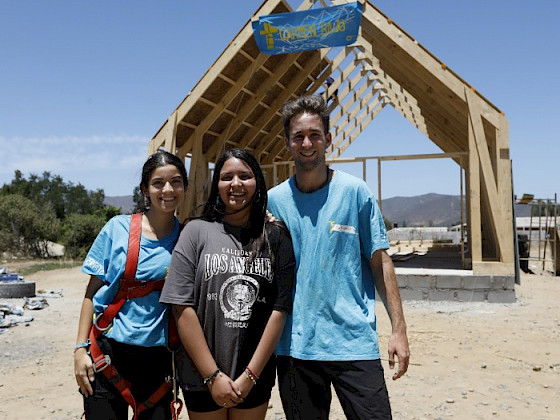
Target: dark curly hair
(311, 104)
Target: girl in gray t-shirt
(230, 286)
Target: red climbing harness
(130, 288)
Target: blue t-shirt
(141, 321)
(335, 230)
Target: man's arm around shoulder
(388, 289)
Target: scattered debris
(53, 293)
(35, 303)
(6, 309)
(5, 275)
(12, 285)
(11, 315)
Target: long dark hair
(214, 208)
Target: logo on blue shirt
(335, 227)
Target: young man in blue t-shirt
(339, 242)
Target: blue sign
(311, 29)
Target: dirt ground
(469, 360)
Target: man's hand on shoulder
(270, 218)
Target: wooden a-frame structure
(236, 103)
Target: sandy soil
(469, 360)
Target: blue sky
(85, 85)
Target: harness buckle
(133, 287)
(95, 320)
(102, 364)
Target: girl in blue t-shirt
(136, 340)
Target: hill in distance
(430, 210)
(124, 202)
(423, 210)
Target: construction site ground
(470, 360)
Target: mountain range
(430, 210)
(123, 202)
(421, 210)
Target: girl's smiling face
(237, 186)
(165, 189)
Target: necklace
(311, 190)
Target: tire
(17, 289)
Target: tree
(388, 224)
(138, 199)
(26, 227)
(108, 212)
(545, 208)
(64, 198)
(36, 210)
(80, 230)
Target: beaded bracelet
(251, 375)
(216, 372)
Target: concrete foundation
(438, 275)
(454, 285)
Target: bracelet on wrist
(251, 375)
(82, 345)
(212, 376)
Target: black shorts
(305, 388)
(145, 367)
(202, 401)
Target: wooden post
(379, 185)
(474, 193)
(171, 133)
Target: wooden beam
(291, 87)
(443, 117)
(495, 197)
(171, 134)
(409, 46)
(368, 111)
(398, 97)
(244, 35)
(475, 225)
(249, 105)
(198, 181)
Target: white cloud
(112, 163)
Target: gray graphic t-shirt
(232, 298)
